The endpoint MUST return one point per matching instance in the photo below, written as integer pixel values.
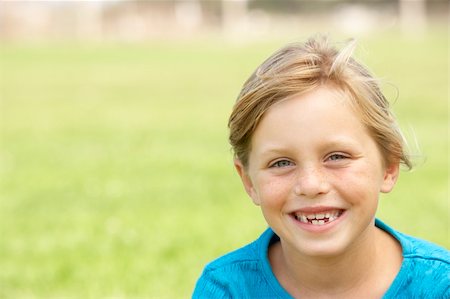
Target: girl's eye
(281, 163)
(336, 157)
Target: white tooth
(319, 216)
(327, 215)
(315, 222)
(321, 222)
(311, 216)
(332, 218)
(303, 219)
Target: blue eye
(336, 157)
(282, 163)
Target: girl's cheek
(275, 191)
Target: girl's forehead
(320, 107)
(333, 96)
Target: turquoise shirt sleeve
(209, 286)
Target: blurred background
(115, 172)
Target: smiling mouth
(318, 218)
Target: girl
(315, 143)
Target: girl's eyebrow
(273, 149)
(341, 142)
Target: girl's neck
(365, 270)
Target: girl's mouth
(319, 219)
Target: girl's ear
(390, 177)
(246, 181)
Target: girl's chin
(321, 253)
(319, 250)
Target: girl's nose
(311, 182)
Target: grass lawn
(116, 174)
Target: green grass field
(117, 178)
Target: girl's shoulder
(246, 255)
(425, 270)
(242, 273)
(416, 248)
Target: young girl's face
(316, 173)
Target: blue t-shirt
(246, 272)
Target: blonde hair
(299, 68)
